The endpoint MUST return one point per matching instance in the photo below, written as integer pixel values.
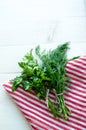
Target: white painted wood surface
(23, 25)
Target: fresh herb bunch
(45, 77)
(54, 63)
(32, 76)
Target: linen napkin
(36, 112)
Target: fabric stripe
(36, 112)
(75, 78)
(29, 106)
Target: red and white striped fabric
(36, 112)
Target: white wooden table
(23, 25)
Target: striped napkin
(36, 112)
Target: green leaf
(28, 70)
(16, 82)
(14, 88)
(29, 56)
(38, 95)
(26, 85)
(76, 57)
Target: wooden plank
(33, 21)
(66, 8)
(70, 28)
